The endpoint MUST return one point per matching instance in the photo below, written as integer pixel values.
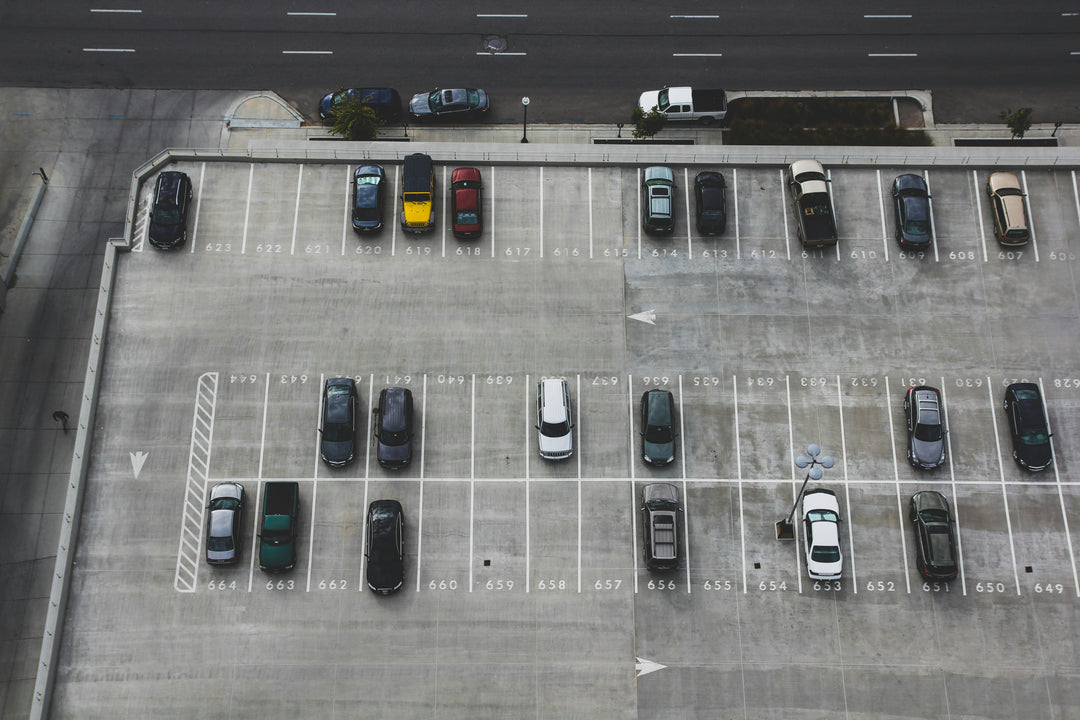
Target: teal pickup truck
(277, 529)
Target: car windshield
(368, 180)
(468, 217)
(928, 433)
(166, 216)
(804, 177)
(658, 434)
(826, 554)
(933, 515)
(559, 429)
(819, 515)
(1009, 191)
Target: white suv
(554, 419)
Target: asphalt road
(578, 64)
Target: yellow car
(418, 194)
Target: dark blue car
(911, 201)
(369, 197)
(384, 101)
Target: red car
(466, 203)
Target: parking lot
(525, 591)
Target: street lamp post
(785, 529)
(525, 119)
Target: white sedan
(821, 522)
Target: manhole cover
(494, 43)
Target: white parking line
(528, 554)
(794, 480)
(896, 476)
(952, 483)
(1031, 215)
(787, 232)
(633, 498)
(1001, 473)
(315, 480)
(296, 211)
(637, 217)
(491, 202)
(347, 219)
(689, 220)
(686, 496)
(446, 205)
(370, 429)
(577, 424)
(247, 207)
(420, 510)
(979, 213)
(541, 211)
(738, 475)
(1061, 498)
(847, 488)
(881, 213)
(266, 408)
(832, 206)
(735, 209)
(590, 215)
(472, 476)
(254, 535)
(360, 583)
(198, 205)
(933, 225)
(1076, 195)
(394, 215)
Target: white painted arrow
(137, 460)
(644, 667)
(647, 316)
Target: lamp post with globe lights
(785, 529)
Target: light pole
(785, 529)
(525, 119)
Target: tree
(353, 120)
(647, 124)
(1018, 122)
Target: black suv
(339, 417)
(394, 427)
(661, 517)
(1028, 426)
(935, 538)
(710, 203)
(657, 427)
(385, 546)
(925, 427)
(168, 216)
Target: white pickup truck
(685, 104)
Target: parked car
(384, 101)
(467, 203)
(809, 185)
(453, 104)
(385, 551)
(661, 520)
(911, 206)
(168, 216)
(821, 522)
(339, 421)
(1027, 424)
(657, 427)
(554, 419)
(1007, 206)
(935, 535)
(658, 200)
(418, 194)
(394, 427)
(224, 519)
(710, 203)
(369, 198)
(925, 427)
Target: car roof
(910, 181)
(659, 404)
(1002, 180)
(708, 178)
(554, 407)
(465, 173)
(809, 165)
(659, 172)
(392, 403)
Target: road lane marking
(296, 211)
(109, 50)
(198, 472)
(307, 52)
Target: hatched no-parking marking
(202, 433)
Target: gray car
(925, 427)
(225, 513)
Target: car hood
(1035, 457)
(419, 104)
(337, 452)
(648, 100)
(659, 453)
(386, 576)
(166, 234)
(395, 455)
(928, 453)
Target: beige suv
(1007, 207)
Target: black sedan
(168, 216)
(385, 546)
(455, 104)
(339, 421)
(657, 427)
(911, 203)
(710, 203)
(225, 513)
(369, 198)
(935, 535)
(1027, 424)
